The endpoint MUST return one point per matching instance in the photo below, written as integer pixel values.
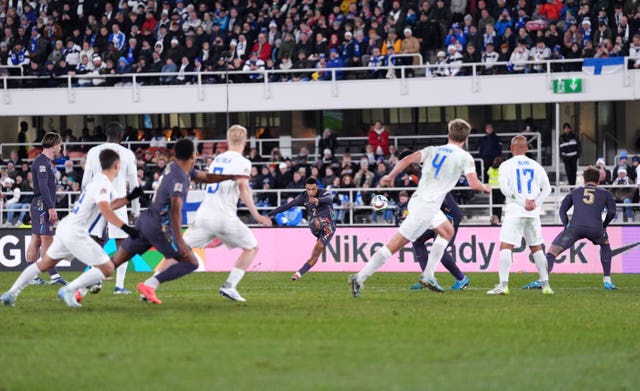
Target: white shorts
(231, 231)
(420, 218)
(70, 242)
(514, 228)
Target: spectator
(364, 176)
(623, 163)
(624, 193)
(605, 174)
(379, 139)
(497, 196)
(328, 141)
(22, 139)
(15, 203)
(169, 67)
(570, 150)
(489, 148)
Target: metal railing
(332, 75)
(477, 209)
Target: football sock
(305, 268)
(378, 259)
(421, 254)
(88, 278)
(53, 273)
(121, 273)
(24, 279)
(541, 264)
(505, 266)
(450, 264)
(437, 250)
(605, 259)
(235, 276)
(607, 279)
(175, 271)
(152, 282)
(551, 260)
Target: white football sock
(606, 279)
(377, 260)
(121, 273)
(505, 266)
(235, 276)
(24, 279)
(88, 278)
(541, 264)
(437, 250)
(152, 282)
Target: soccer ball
(379, 203)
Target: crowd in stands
(51, 38)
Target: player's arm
(565, 205)
(287, 206)
(325, 199)
(132, 179)
(545, 190)
(175, 221)
(109, 215)
(131, 197)
(207, 177)
(88, 170)
(506, 188)
(247, 199)
(476, 184)
(611, 210)
(414, 158)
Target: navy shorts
(40, 224)
(323, 228)
(571, 234)
(152, 234)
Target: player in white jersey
(441, 169)
(217, 215)
(525, 185)
(72, 237)
(127, 178)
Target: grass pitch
(313, 335)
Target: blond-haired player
(217, 215)
(441, 169)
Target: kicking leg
(25, 278)
(315, 254)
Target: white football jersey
(85, 214)
(222, 198)
(128, 171)
(442, 166)
(523, 179)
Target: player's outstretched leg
(449, 263)
(121, 273)
(24, 279)
(228, 289)
(428, 278)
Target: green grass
(312, 334)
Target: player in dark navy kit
(451, 209)
(43, 204)
(160, 225)
(322, 219)
(588, 202)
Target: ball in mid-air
(379, 203)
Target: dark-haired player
(43, 205)
(72, 238)
(322, 219)
(588, 202)
(160, 225)
(450, 209)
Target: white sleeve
(132, 179)
(101, 191)
(469, 164)
(15, 198)
(426, 151)
(88, 170)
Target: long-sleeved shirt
(44, 180)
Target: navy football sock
(53, 272)
(305, 268)
(450, 264)
(176, 271)
(551, 260)
(605, 259)
(421, 254)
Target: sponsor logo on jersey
(178, 187)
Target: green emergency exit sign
(567, 86)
